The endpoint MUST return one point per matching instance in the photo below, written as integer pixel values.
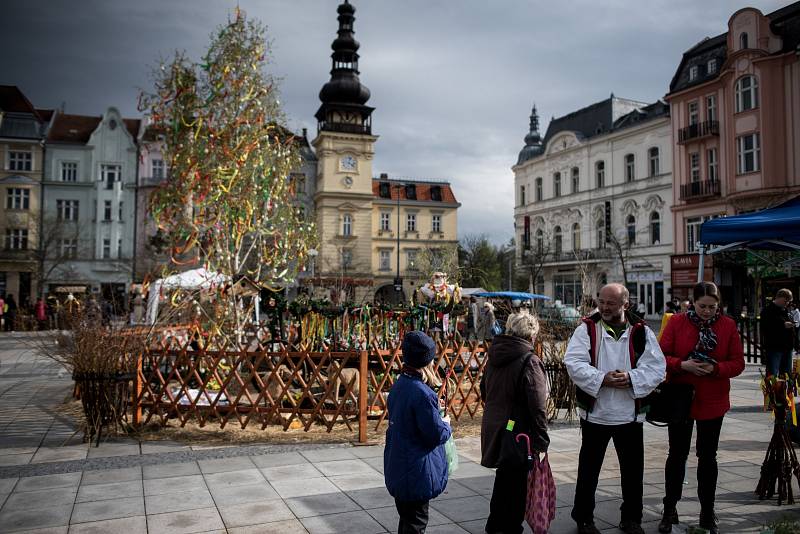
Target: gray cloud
(452, 81)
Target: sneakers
(587, 527)
(669, 518)
(708, 521)
(629, 526)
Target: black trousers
(680, 440)
(413, 516)
(629, 444)
(507, 507)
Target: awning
(513, 295)
(775, 228)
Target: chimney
(384, 176)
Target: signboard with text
(683, 269)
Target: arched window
(576, 236)
(655, 228)
(538, 189)
(601, 233)
(654, 161)
(576, 177)
(746, 93)
(539, 241)
(743, 41)
(600, 173)
(630, 226)
(347, 225)
(557, 184)
(630, 168)
(557, 240)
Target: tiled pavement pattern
(125, 486)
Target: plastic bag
(452, 455)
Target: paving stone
(225, 464)
(279, 459)
(301, 488)
(292, 526)
(155, 447)
(323, 504)
(463, 509)
(27, 500)
(46, 516)
(178, 502)
(106, 476)
(328, 455)
(240, 515)
(389, 519)
(60, 454)
(360, 522)
(191, 521)
(376, 463)
(127, 525)
(49, 530)
(7, 484)
(291, 471)
(226, 495)
(158, 486)
(344, 467)
(234, 478)
(114, 490)
(372, 497)
(86, 512)
(360, 481)
(480, 485)
(15, 459)
(455, 490)
(170, 470)
(449, 528)
(370, 451)
(114, 449)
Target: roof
(13, 100)
(423, 190)
(78, 128)
(20, 119)
(595, 119)
(653, 111)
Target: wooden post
(363, 369)
(137, 392)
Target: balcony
(698, 130)
(700, 190)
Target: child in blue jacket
(414, 461)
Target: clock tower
(345, 147)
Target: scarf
(708, 339)
(412, 372)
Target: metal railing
(698, 130)
(701, 189)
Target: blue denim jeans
(779, 362)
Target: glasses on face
(707, 306)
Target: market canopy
(513, 295)
(195, 279)
(775, 228)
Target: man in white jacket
(615, 361)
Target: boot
(708, 521)
(669, 518)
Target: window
(69, 171)
(655, 228)
(385, 218)
(654, 161)
(385, 260)
(119, 247)
(600, 173)
(746, 93)
(538, 190)
(411, 192)
(694, 112)
(110, 174)
(436, 223)
(347, 225)
(67, 210)
(68, 248)
(411, 222)
(630, 168)
(436, 193)
(748, 153)
(522, 195)
(158, 168)
(711, 66)
(119, 215)
(107, 210)
(384, 190)
(557, 240)
(693, 72)
(692, 233)
(16, 239)
(347, 259)
(630, 227)
(600, 232)
(711, 108)
(576, 236)
(18, 199)
(539, 241)
(576, 179)
(694, 166)
(106, 249)
(743, 41)
(20, 160)
(411, 260)
(713, 168)
(557, 184)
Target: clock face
(348, 163)
(348, 181)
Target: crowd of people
(616, 361)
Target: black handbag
(513, 448)
(669, 403)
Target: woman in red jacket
(702, 348)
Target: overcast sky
(452, 81)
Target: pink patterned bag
(540, 508)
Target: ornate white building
(593, 202)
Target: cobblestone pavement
(131, 487)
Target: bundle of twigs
(551, 346)
(780, 461)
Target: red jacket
(711, 399)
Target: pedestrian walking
(513, 388)
(10, 312)
(777, 333)
(40, 311)
(702, 347)
(414, 459)
(485, 322)
(615, 361)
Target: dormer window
(711, 66)
(436, 193)
(384, 191)
(694, 72)
(411, 192)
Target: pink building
(735, 107)
(148, 258)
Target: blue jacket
(414, 461)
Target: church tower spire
(533, 140)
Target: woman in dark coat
(513, 375)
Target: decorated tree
(228, 201)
